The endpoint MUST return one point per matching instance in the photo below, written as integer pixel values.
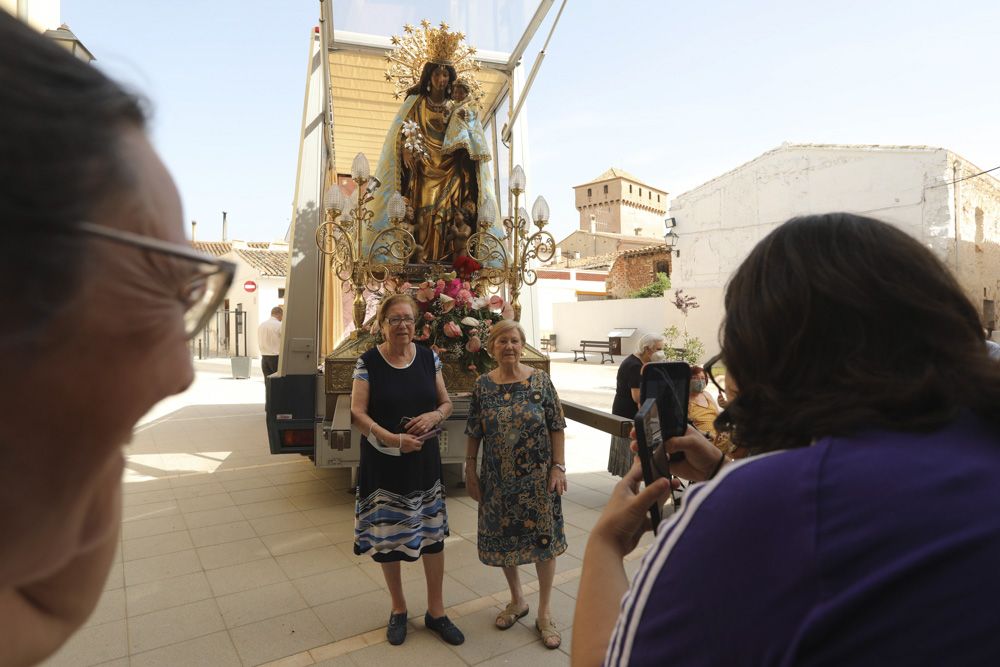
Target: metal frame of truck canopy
(347, 109)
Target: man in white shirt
(269, 340)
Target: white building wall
(592, 320)
(552, 291)
(257, 304)
(42, 15)
(719, 222)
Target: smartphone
(648, 438)
(663, 394)
(669, 382)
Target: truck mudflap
(290, 409)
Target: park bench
(602, 346)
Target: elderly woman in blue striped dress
(398, 401)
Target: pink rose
(425, 294)
(440, 284)
(447, 303)
(472, 367)
(452, 330)
(428, 316)
(496, 303)
(451, 288)
(465, 296)
(474, 344)
(405, 287)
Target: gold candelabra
(343, 241)
(525, 246)
(508, 261)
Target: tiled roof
(628, 238)
(216, 248)
(646, 250)
(615, 172)
(268, 262)
(595, 262)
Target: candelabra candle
(526, 246)
(342, 235)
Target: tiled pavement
(232, 556)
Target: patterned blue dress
(400, 511)
(520, 520)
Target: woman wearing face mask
(702, 408)
(626, 403)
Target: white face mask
(658, 356)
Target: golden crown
(442, 45)
(427, 44)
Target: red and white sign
(250, 286)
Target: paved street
(232, 556)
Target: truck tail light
(298, 437)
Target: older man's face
(121, 349)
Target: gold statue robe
(440, 183)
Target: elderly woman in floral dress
(516, 414)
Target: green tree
(657, 288)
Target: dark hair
(59, 138)
(425, 79)
(837, 323)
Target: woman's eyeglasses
(396, 321)
(711, 374)
(201, 294)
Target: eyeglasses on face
(396, 321)
(201, 293)
(711, 374)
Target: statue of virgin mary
(440, 172)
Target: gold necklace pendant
(435, 106)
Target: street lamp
(670, 236)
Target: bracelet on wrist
(718, 466)
(438, 410)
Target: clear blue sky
(676, 93)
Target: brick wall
(632, 272)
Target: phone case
(645, 455)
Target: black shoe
(444, 627)
(396, 632)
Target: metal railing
(224, 336)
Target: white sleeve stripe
(620, 647)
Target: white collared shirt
(269, 337)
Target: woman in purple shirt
(866, 530)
